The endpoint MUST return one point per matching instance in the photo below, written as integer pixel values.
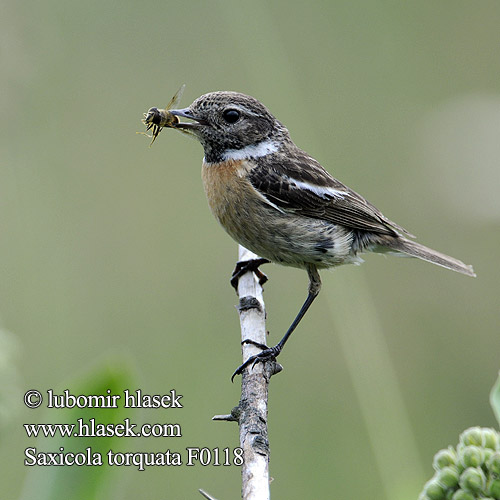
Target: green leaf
(495, 399)
(79, 482)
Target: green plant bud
(423, 496)
(493, 464)
(487, 452)
(443, 458)
(471, 456)
(462, 495)
(473, 436)
(473, 480)
(491, 439)
(448, 476)
(433, 490)
(449, 494)
(493, 488)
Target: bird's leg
(244, 266)
(272, 352)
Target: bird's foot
(267, 354)
(244, 266)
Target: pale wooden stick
(254, 388)
(251, 413)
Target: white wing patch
(269, 202)
(322, 191)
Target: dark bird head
(231, 125)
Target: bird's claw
(265, 356)
(244, 266)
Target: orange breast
(227, 189)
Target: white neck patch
(252, 151)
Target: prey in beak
(157, 119)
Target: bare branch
(254, 388)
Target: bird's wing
(296, 182)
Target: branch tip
(206, 495)
(224, 418)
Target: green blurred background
(110, 256)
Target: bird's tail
(413, 249)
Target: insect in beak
(157, 119)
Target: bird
(279, 202)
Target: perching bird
(280, 203)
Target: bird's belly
(282, 237)
(292, 240)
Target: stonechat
(280, 203)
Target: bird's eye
(231, 115)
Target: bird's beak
(186, 113)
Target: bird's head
(231, 125)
